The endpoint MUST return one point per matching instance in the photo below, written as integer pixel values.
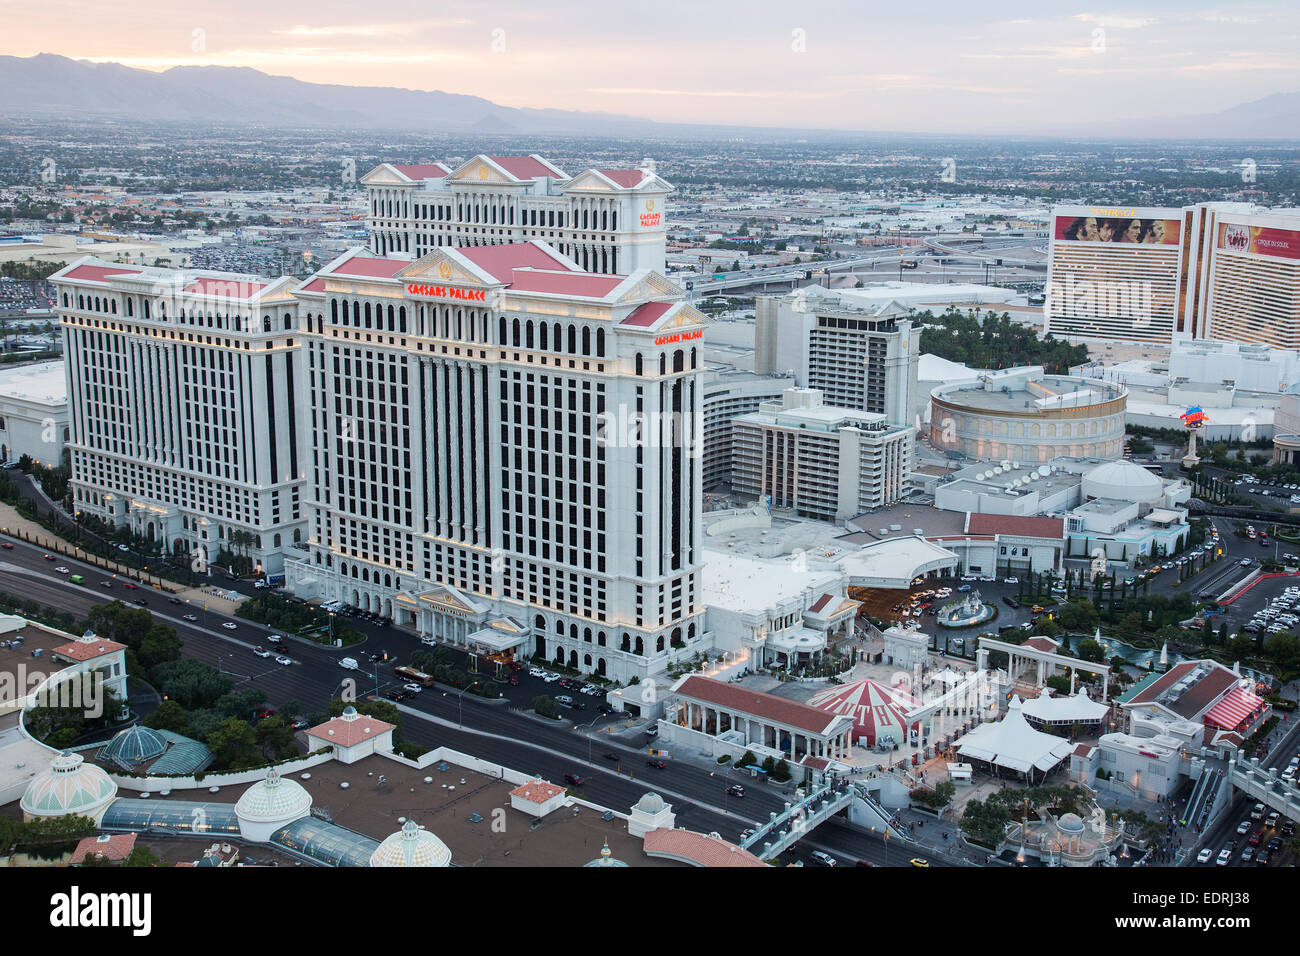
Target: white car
(261, 652)
(1205, 856)
(1225, 856)
(281, 659)
(61, 570)
(412, 688)
(230, 625)
(191, 617)
(1010, 580)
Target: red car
(7, 546)
(514, 681)
(657, 764)
(1256, 837)
(129, 586)
(515, 666)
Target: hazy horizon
(943, 67)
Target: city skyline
(1061, 68)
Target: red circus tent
(875, 708)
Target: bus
(908, 264)
(416, 676)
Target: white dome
(411, 846)
(70, 785)
(650, 803)
(1123, 481)
(275, 799)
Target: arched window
(659, 643)
(639, 363)
(600, 343)
(266, 323)
(586, 340)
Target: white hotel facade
(474, 476)
(606, 220)
(183, 398)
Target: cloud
(369, 29)
(1113, 22)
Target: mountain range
(52, 85)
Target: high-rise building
(606, 220)
(1225, 271)
(819, 461)
(507, 453)
(729, 393)
(861, 357)
(183, 394)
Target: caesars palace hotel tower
(478, 472)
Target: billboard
(1259, 240)
(1148, 227)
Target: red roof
(523, 167)
(420, 170)
(644, 316)
(774, 708)
(564, 283)
(627, 178)
(347, 733)
(697, 849)
(115, 847)
(98, 273)
(978, 523)
(501, 261)
(537, 791)
(1083, 750)
(1042, 644)
(820, 603)
(370, 267)
(88, 650)
(315, 285)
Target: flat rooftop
(1049, 393)
(43, 382)
(932, 521)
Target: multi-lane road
(500, 732)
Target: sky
(855, 64)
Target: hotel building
(1224, 271)
(482, 468)
(820, 461)
(606, 220)
(183, 392)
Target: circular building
(270, 804)
(133, 747)
(411, 846)
(877, 711)
(606, 858)
(70, 785)
(1123, 481)
(1024, 415)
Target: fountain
(967, 612)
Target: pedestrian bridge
(786, 828)
(1265, 785)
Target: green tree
(161, 644)
(170, 715)
(193, 683)
(273, 735)
(234, 745)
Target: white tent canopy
(1078, 708)
(1013, 744)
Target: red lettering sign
(679, 337)
(649, 219)
(447, 292)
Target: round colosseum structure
(1023, 414)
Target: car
(1288, 827)
(610, 755)
(191, 617)
(396, 693)
(1247, 854)
(864, 863)
(142, 602)
(261, 651)
(173, 600)
(652, 730)
(822, 859)
(281, 659)
(1244, 562)
(1036, 609)
(736, 790)
(1011, 602)
(918, 861)
(514, 665)
(105, 584)
(1256, 838)
(964, 588)
(7, 546)
(1205, 856)
(122, 547)
(49, 557)
(230, 625)
(130, 587)
(1273, 818)
(514, 681)
(564, 699)
(1257, 812)
(412, 688)
(1274, 844)
(574, 779)
(1262, 859)
(656, 763)
(61, 570)
(299, 724)
(1225, 856)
